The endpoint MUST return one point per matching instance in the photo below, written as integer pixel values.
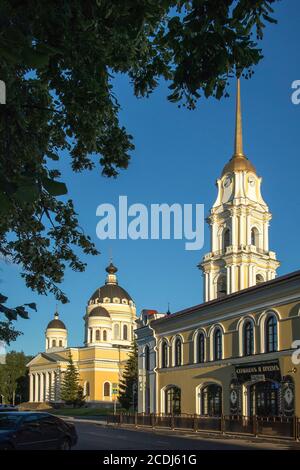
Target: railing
(276, 427)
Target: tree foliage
(58, 61)
(14, 383)
(129, 382)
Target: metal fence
(276, 427)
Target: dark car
(28, 430)
(8, 408)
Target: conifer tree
(129, 381)
(70, 389)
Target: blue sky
(178, 156)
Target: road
(99, 437)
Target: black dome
(99, 312)
(56, 324)
(110, 291)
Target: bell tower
(239, 223)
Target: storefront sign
(258, 371)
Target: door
(264, 399)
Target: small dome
(99, 312)
(111, 269)
(56, 323)
(238, 163)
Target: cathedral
(234, 353)
(109, 324)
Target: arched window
(97, 335)
(91, 335)
(248, 338)
(173, 401)
(116, 331)
(211, 400)
(271, 334)
(259, 279)
(217, 344)
(125, 332)
(178, 352)
(164, 354)
(107, 389)
(221, 286)
(87, 389)
(54, 343)
(255, 237)
(104, 335)
(226, 238)
(200, 347)
(147, 358)
(60, 343)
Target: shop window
(211, 400)
(264, 399)
(173, 401)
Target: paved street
(99, 437)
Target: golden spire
(238, 138)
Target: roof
(99, 312)
(56, 323)
(110, 291)
(238, 163)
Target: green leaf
(32, 306)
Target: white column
(47, 387)
(53, 386)
(31, 387)
(228, 279)
(233, 289)
(41, 399)
(233, 231)
(266, 236)
(36, 387)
